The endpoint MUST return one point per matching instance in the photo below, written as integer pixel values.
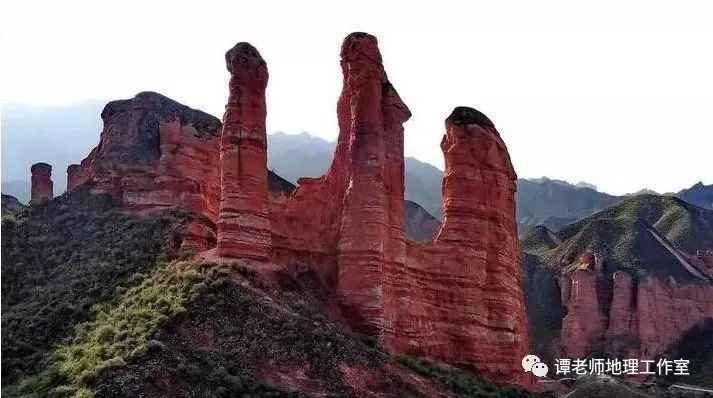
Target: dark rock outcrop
(42, 186)
(10, 204)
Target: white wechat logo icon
(532, 363)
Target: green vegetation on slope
(220, 330)
(61, 260)
(622, 234)
(537, 239)
(124, 347)
(235, 329)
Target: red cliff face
(155, 154)
(665, 309)
(41, 182)
(459, 299)
(244, 223)
(584, 324)
(637, 319)
(347, 226)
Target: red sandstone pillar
(622, 314)
(371, 234)
(42, 186)
(583, 326)
(244, 224)
(74, 179)
(479, 222)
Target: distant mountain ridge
(63, 135)
(632, 235)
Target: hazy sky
(618, 94)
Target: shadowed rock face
(155, 153)
(41, 180)
(463, 116)
(10, 204)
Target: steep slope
(420, 225)
(626, 236)
(209, 329)
(87, 314)
(60, 259)
(539, 239)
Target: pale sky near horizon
(615, 93)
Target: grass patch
(64, 258)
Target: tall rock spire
(458, 299)
(371, 235)
(41, 181)
(244, 224)
(479, 217)
(74, 177)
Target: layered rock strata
(244, 223)
(153, 154)
(636, 319)
(458, 299)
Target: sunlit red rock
(244, 222)
(372, 232)
(459, 298)
(42, 187)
